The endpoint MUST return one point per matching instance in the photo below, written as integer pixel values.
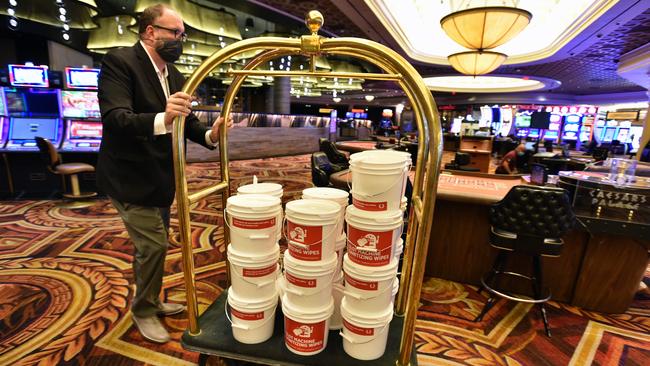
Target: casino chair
(52, 160)
(322, 168)
(600, 153)
(529, 221)
(333, 154)
(461, 162)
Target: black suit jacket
(135, 166)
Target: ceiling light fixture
(476, 62)
(485, 27)
(336, 99)
(369, 98)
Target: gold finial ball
(314, 20)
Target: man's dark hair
(149, 16)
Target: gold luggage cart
(209, 333)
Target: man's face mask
(170, 50)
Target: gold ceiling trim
(215, 22)
(80, 15)
(591, 14)
(107, 35)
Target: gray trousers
(147, 228)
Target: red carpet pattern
(66, 287)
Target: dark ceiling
(592, 71)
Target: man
(509, 161)
(139, 98)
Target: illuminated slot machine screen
(3, 131)
(571, 127)
(33, 102)
(81, 78)
(28, 76)
(3, 104)
(622, 135)
(534, 133)
(80, 104)
(609, 134)
(83, 135)
(23, 131)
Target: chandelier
(481, 29)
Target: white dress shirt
(159, 126)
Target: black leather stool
(531, 221)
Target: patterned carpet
(66, 285)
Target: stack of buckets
(374, 227)
(254, 217)
(310, 264)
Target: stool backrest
(462, 158)
(533, 211)
(49, 155)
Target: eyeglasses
(177, 32)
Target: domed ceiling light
(476, 62)
(485, 27)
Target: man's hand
(214, 133)
(178, 104)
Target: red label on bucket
(370, 206)
(358, 330)
(259, 272)
(370, 248)
(311, 236)
(253, 224)
(304, 337)
(361, 285)
(246, 316)
(300, 282)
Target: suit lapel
(150, 72)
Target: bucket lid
(260, 188)
(380, 157)
(366, 318)
(325, 265)
(254, 258)
(379, 272)
(251, 304)
(309, 314)
(313, 207)
(325, 193)
(374, 217)
(253, 202)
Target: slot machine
(586, 129)
(553, 131)
(571, 127)
(610, 129)
(80, 108)
(4, 121)
(33, 107)
(599, 130)
(623, 132)
(522, 124)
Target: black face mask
(170, 50)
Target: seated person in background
(509, 160)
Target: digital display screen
(571, 127)
(522, 121)
(574, 118)
(3, 105)
(79, 78)
(555, 118)
(21, 75)
(555, 126)
(80, 130)
(609, 134)
(80, 104)
(540, 119)
(534, 132)
(29, 128)
(33, 102)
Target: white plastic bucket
(306, 329)
(311, 228)
(308, 283)
(395, 290)
(336, 322)
(365, 333)
(372, 237)
(403, 204)
(339, 247)
(272, 189)
(252, 320)
(254, 221)
(330, 194)
(253, 276)
(399, 248)
(379, 179)
(368, 288)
